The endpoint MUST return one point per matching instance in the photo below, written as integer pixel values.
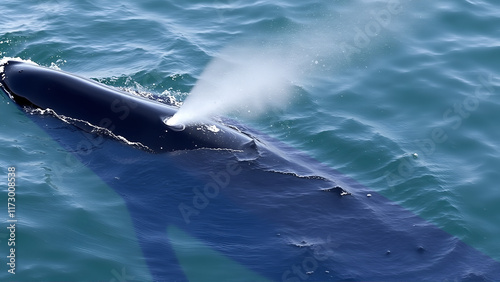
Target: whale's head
(16, 83)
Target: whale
(99, 108)
(215, 215)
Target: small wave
(315, 177)
(87, 126)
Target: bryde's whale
(209, 215)
(93, 105)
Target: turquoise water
(407, 105)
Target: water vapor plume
(250, 78)
(243, 80)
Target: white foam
(212, 128)
(94, 128)
(5, 60)
(54, 66)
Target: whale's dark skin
(134, 118)
(277, 215)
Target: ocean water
(398, 99)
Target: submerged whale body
(206, 215)
(93, 105)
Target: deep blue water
(397, 99)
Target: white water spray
(244, 80)
(248, 79)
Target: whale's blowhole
(172, 124)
